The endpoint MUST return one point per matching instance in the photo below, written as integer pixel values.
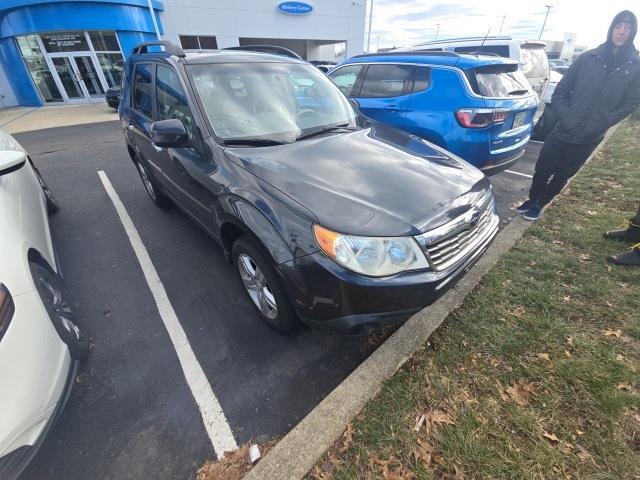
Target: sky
(407, 22)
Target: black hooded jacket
(599, 89)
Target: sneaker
(629, 234)
(525, 206)
(630, 258)
(534, 212)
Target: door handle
(392, 108)
(129, 126)
(157, 148)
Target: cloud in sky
(407, 22)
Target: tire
(55, 298)
(155, 194)
(52, 203)
(262, 285)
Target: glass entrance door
(79, 77)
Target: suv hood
(378, 181)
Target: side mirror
(10, 160)
(354, 103)
(169, 134)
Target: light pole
(437, 30)
(548, 7)
(370, 20)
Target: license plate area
(519, 119)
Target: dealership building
(56, 52)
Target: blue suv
(478, 107)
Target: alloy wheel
(257, 287)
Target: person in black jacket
(601, 88)
(629, 234)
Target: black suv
(329, 217)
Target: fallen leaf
(520, 392)
(585, 456)
(624, 386)
(609, 269)
(591, 212)
(567, 353)
(612, 333)
(608, 304)
(347, 438)
(579, 432)
(585, 257)
(438, 416)
(550, 436)
(543, 356)
(518, 311)
(566, 298)
(459, 474)
(424, 452)
(620, 358)
(566, 448)
(570, 340)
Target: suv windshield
(500, 81)
(278, 101)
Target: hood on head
(630, 18)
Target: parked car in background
(329, 217)
(480, 108)
(40, 341)
(530, 54)
(559, 66)
(554, 79)
(112, 97)
(323, 66)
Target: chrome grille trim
(453, 242)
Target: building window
(104, 41)
(198, 42)
(107, 49)
(38, 69)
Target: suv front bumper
(327, 295)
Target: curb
(298, 451)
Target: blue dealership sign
(295, 8)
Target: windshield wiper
(251, 142)
(320, 131)
(518, 92)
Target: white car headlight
(372, 256)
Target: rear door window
(345, 78)
(142, 89)
(383, 81)
(499, 81)
(534, 62)
(421, 79)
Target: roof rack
(409, 52)
(170, 48)
(463, 39)
(274, 49)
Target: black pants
(557, 163)
(636, 220)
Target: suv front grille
(453, 242)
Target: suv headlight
(372, 256)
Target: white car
(554, 79)
(40, 343)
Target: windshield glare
(279, 101)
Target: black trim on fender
(13, 169)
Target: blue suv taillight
(480, 117)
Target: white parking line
(212, 415)
(518, 173)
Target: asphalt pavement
(131, 414)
